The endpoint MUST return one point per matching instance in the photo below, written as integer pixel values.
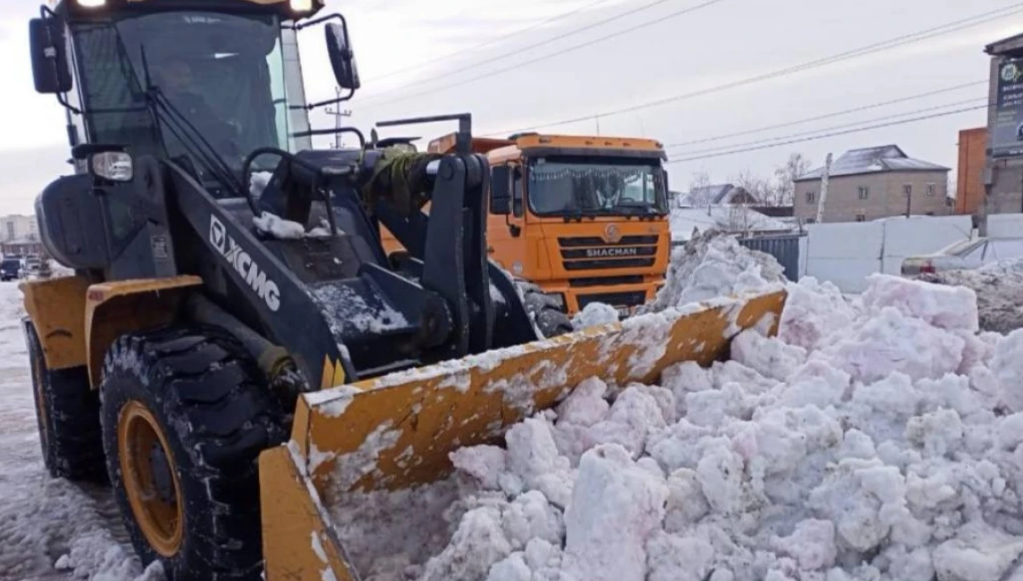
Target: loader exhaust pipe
(273, 360)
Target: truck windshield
(571, 187)
(224, 73)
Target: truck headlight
(115, 166)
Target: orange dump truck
(583, 218)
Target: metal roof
(885, 158)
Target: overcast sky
(728, 41)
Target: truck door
(506, 240)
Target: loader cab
(231, 69)
(202, 84)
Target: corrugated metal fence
(784, 247)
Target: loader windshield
(595, 186)
(225, 73)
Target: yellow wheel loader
(222, 351)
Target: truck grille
(592, 253)
(626, 299)
(606, 280)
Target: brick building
(874, 182)
(970, 179)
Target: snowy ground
(42, 519)
(999, 288)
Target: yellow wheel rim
(159, 511)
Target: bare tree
(757, 186)
(698, 196)
(785, 178)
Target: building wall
(16, 226)
(1006, 195)
(885, 196)
(970, 179)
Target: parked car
(10, 269)
(966, 254)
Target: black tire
(197, 402)
(549, 317)
(67, 414)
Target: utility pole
(338, 114)
(824, 189)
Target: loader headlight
(301, 5)
(115, 166)
(92, 3)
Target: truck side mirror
(49, 56)
(342, 59)
(500, 191)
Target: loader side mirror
(342, 59)
(500, 191)
(49, 56)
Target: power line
(833, 127)
(497, 40)
(833, 134)
(519, 65)
(954, 26)
(829, 115)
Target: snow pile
(713, 265)
(998, 286)
(594, 314)
(874, 441)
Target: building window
(864, 192)
(930, 213)
(811, 197)
(861, 217)
(932, 190)
(10, 230)
(907, 190)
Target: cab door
(505, 234)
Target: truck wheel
(546, 313)
(185, 414)
(67, 413)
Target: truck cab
(586, 219)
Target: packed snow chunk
(632, 416)
(813, 312)
(685, 378)
(533, 457)
(279, 228)
(769, 357)
(890, 342)
(586, 405)
(673, 558)
(686, 502)
(815, 383)
(941, 306)
(615, 508)
(714, 265)
(720, 474)
(594, 314)
(939, 433)
(478, 543)
(812, 544)
(530, 516)
(482, 465)
(1007, 365)
(258, 182)
(513, 568)
(855, 496)
(977, 553)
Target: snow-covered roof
(886, 158)
(727, 218)
(712, 194)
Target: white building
(18, 227)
